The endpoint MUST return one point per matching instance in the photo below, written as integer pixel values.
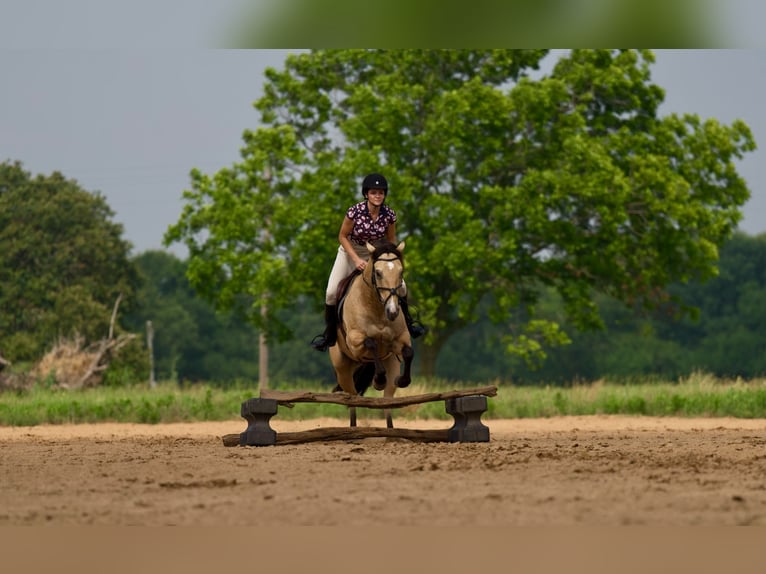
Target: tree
(164, 299)
(192, 342)
(727, 339)
(63, 262)
(505, 185)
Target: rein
(390, 290)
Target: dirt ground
(590, 471)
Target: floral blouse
(365, 229)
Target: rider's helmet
(374, 181)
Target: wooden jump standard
(465, 406)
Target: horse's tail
(363, 375)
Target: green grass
(697, 396)
(167, 403)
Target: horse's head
(386, 275)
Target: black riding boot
(330, 336)
(415, 328)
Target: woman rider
(367, 221)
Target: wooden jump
(349, 433)
(288, 398)
(466, 407)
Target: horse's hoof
(401, 382)
(379, 384)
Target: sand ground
(588, 471)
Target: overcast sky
(131, 121)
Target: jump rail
(466, 407)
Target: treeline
(64, 267)
(192, 342)
(724, 335)
(727, 338)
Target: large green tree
(505, 183)
(63, 262)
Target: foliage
(727, 338)
(191, 341)
(287, 23)
(505, 185)
(63, 262)
(128, 366)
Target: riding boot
(330, 336)
(415, 328)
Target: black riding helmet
(374, 181)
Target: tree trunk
(263, 355)
(426, 355)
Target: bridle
(390, 290)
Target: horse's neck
(370, 291)
(368, 294)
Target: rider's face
(376, 196)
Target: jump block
(257, 413)
(467, 413)
(466, 410)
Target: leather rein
(390, 290)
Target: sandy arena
(589, 471)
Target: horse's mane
(382, 247)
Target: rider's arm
(391, 233)
(343, 238)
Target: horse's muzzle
(392, 309)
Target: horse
(373, 338)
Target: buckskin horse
(373, 339)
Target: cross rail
(288, 398)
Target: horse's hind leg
(405, 379)
(344, 374)
(351, 410)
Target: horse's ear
(400, 247)
(370, 247)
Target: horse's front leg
(380, 370)
(405, 379)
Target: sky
(129, 113)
